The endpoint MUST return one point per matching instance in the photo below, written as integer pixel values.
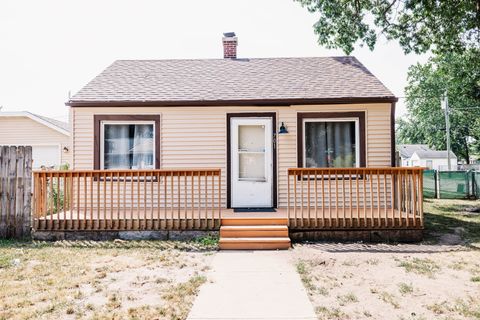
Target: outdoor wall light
(283, 129)
(65, 149)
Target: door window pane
(251, 152)
(252, 166)
(330, 144)
(251, 137)
(128, 146)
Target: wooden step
(249, 243)
(251, 231)
(253, 221)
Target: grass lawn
(101, 280)
(444, 218)
(439, 279)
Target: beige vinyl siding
(195, 137)
(25, 131)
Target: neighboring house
(420, 155)
(406, 151)
(433, 159)
(49, 138)
(310, 140)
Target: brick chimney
(230, 42)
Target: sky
(52, 48)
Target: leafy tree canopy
(459, 74)
(418, 25)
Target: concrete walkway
(252, 285)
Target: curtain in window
(116, 146)
(128, 146)
(330, 144)
(142, 149)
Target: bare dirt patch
(437, 279)
(110, 281)
(372, 285)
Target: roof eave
(255, 102)
(35, 118)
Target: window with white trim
(331, 143)
(127, 145)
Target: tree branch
(390, 6)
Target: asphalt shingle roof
(407, 150)
(434, 154)
(232, 80)
(58, 123)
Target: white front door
(252, 165)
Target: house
(406, 151)
(258, 148)
(49, 138)
(434, 159)
(420, 155)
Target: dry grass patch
(99, 281)
(347, 298)
(405, 288)
(468, 307)
(325, 313)
(425, 266)
(389, 298)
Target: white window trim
(102, 140)
(357, 136)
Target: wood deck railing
(127, 199)
(355, 198)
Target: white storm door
(252, 165)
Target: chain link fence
(429, 184)
(451, 184)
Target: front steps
(254, 234)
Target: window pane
(128, 146)
(251, 137)
(251, 150)
(252, 166)
(330, 144)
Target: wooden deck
(128, 219)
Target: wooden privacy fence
(15, 191)
(127, 199)
(355, 198)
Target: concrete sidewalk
(252, 285)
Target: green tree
(418, 25)
(459, 74)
